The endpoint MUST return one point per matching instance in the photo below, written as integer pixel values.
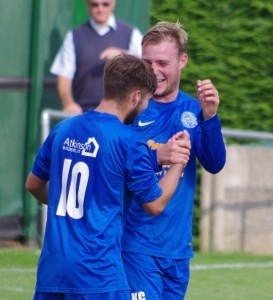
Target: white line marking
(193, 267)
(19, 290)
(17, 270)
(232, 266)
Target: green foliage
(230, 42)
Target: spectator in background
(80, 61)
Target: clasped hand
(176, 150)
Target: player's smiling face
(167, 65)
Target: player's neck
(166, 98)
(111, 107)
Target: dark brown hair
(125, 73)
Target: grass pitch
(213, 276)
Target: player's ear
(183, 60)
(135, 97)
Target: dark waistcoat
(88, 79)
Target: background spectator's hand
(73, 108)
(111, 52)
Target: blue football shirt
(169, 234)
(88, 160)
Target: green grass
(17, 273)
(213, 276)
(231, 277)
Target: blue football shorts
(119, 295)
(152, 277)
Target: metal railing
(49, 114)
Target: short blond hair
(165, 30)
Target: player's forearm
(41, 195)
(210, 146)
(168, 184)
(38, 188)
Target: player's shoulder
(68, 125)
(72, 120)
(187, 101)
(130, 134)
(184, 97)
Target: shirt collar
(111, 24)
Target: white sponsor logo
(138, 296)
(140, 123)
(188, 119)
(90, 148)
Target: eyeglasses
(96, 4)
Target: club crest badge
(188, 119)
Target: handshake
(176, 150)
